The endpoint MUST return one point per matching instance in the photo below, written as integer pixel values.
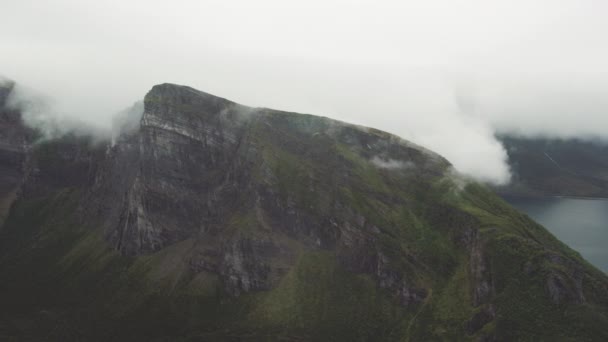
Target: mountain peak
(6, 87)
(183, 95)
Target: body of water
(579, 222)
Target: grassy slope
(61, 281)
(519, 242)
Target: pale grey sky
(446, 74)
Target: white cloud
(392, 164)
(443, 73)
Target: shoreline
(582, 197)
(522, 196)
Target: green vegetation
(98, 294)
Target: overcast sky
(445, 74)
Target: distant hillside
(551, 167)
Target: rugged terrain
(214, 221)
(556, 167)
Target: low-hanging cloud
(392, 164)
(557, 104)
(447, 75)
(38, 112)
(127, 120)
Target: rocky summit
(212, 221)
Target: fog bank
(445, 74)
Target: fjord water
(579, 222)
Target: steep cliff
(215, 221)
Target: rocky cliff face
(14, 141)
(206, 169)
(213, 220)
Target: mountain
(556, 167)
(212, 221)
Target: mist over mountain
(445, 74)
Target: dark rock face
(34, 166)
(480, 319)
(563, 280)
(483, 288)
(565, 287)
(201, 167)
(14, 143)
(178, 167)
